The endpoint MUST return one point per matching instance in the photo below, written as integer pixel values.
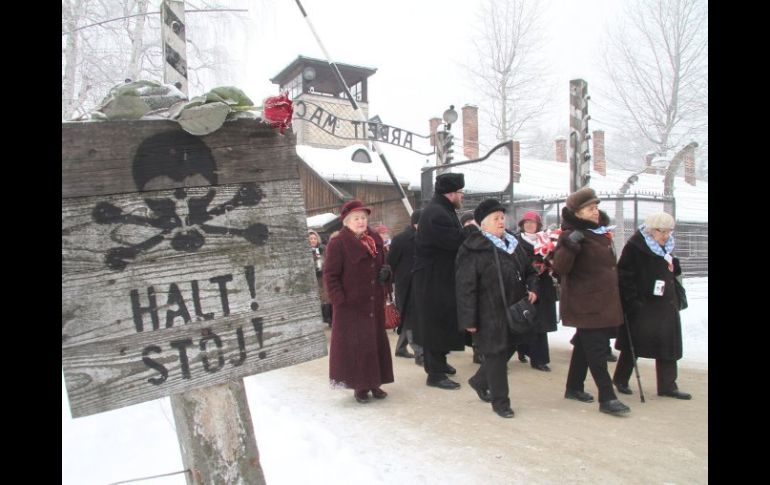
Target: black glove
(384, 274)
(574, 239)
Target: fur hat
(581, 198)
(531, 216)
(465, 217)
(353, 205)
(659, 220)
(486, 207)
(416, 216)
(449, 182)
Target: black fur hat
(449, 182)
(486, 207)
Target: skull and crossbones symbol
(178, 157)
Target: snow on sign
(184, 260)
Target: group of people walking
(454, 284)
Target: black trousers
(590, 352)
(406, 338)
(538, 350)
(493, 375)
(665, 372)
(435, 364)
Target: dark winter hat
(449, 182)
(581, 198)
(531, 216)
(353, 205)
(467, 216)
(487, 207)
(416, 216)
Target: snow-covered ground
(310, 440)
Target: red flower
(277, 111)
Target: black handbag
(680, 293)
(521, 315)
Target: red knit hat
(531, 216)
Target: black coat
(546, 292)
(479, 300)
(401, 261)
(438, 238)
(654, 321)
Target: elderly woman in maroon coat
(354, 275)
(590, 297)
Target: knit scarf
(512, 242)
(664, 251)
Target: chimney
(471, 131)
(434, 122)
(689, 166)
(600, 163)
(516, 162)
(561, 149)
(648, 158)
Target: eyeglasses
(460, 192)
(664, 231)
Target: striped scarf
(512, 241)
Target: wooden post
(173, 37)
(216, 436)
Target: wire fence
(627, 212)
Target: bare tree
(505, 67)
(657, 64)
(107, 41)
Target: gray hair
(658, 220)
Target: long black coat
(546, 292)
(438, 238)
(590, 296)
(401, 261)
(479, 301)
(654, 321)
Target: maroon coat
(359, 357)
(590, 295)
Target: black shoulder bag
(520, 315)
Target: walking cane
(633, 356)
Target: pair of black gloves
(383, 276)
(574, 239)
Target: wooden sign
(185, 260)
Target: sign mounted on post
(184, 260)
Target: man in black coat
(439, 236)
(401, 261)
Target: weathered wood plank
(189, 269)
(99, 158)
(97, 301)
(113, 374)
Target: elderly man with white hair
(652, 296)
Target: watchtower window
(356, 91)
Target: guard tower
(313, 81)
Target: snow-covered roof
(335, 165)
(320, 219)
(539, 178)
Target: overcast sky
(418, 48)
